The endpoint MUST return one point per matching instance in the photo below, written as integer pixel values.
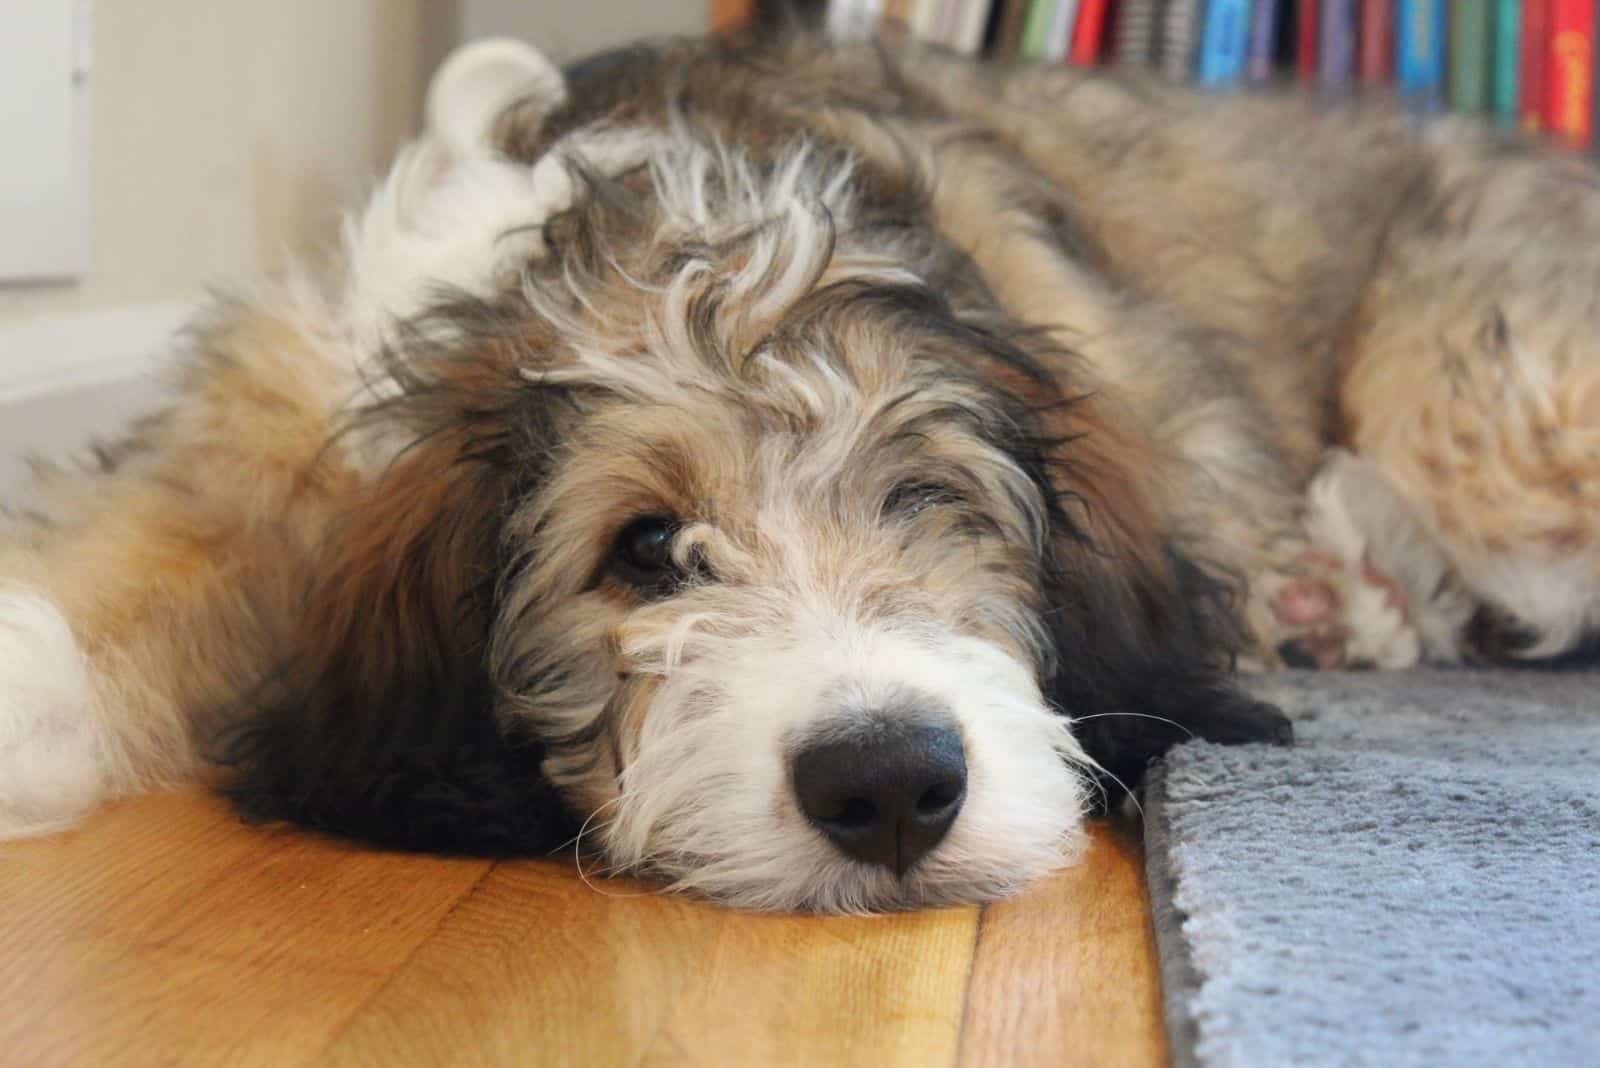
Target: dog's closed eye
(909, 498)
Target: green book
(1471, 34)
(1036, 31)
(1507, 46)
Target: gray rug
(1416, 883)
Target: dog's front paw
(1334, 613)
(51, 759)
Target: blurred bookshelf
(1520, 64)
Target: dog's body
(751, 453)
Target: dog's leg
(141, 600)
(1473, 384)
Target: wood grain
(166, 932)
(1068, 970)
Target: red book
(1375, 53)
(1534, 48)
(1305, 56)
(1569, 91)
(1089, 33)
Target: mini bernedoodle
(817, 476)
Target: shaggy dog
(816, 475)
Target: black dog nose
(886, 794)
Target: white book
(852, 20)
(1059, 40)
(974, 19)
(925, 17)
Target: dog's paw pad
(1305, 601)
(1331, 613)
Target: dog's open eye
(909, 498)
(642, 554)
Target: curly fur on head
(873, 482)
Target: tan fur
(175, 561)
(1180, 303)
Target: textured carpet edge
(1180, 979)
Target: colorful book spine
(1532, 53)
(1059, 39)
(846, 20)
(1263, 48)
(1569, 99)
(1008, 41)
(1471, 34)
(973, 19)
(1336, 44)
(1137, 22)
(923, 21)
(1419, 51)
(1375, 52)
(1090, 32)
(1305, 29)
(1223, 42)
(1180, 39)
(1507, 52)
(1036, 30)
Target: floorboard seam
(966, 993)
(404, 962)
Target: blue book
(1507, 54)
(1224, 41)
(1419, 51)
(1262, 52)
(1336, 44)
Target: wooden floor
(164, 932)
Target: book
(1262, 53)
(1569, 92)
(1471, 31)
(1180, 39)
(1533, 50)
(894, 11)
(972, 18)
(1008, 38)
(1305, 32)
(1419, 52)
(1507, 48)
(1058, 38)
(1137, 22)
(1375, 50)
(1036, 30)
(923, 19)
(1223, 42)
(1336, 43)
(1090, 33)
(848, 19)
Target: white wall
(227, 135)
(570, 29)
(227, 132)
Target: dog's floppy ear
(1145, 636)
(478, 82)
(380, 722)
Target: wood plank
(534, 965)
(1067, 972)
(167, 932)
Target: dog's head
(744, 534)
